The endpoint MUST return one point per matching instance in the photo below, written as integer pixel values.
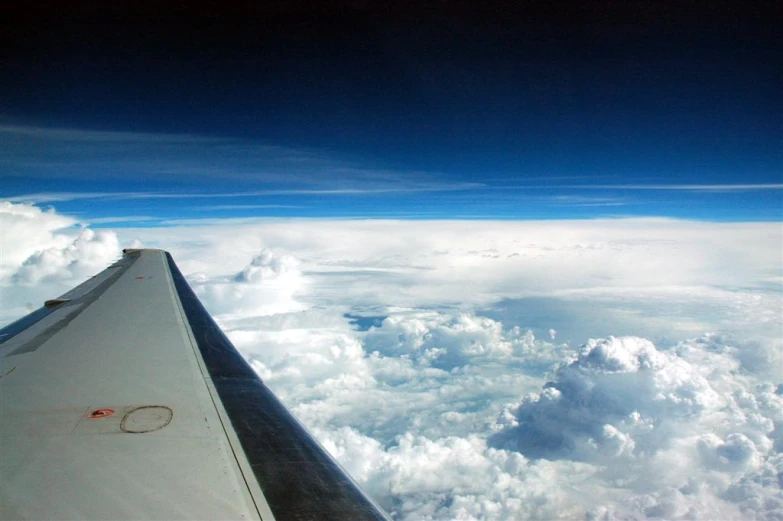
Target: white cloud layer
(618, 369)
(266, 286)
(44, 254)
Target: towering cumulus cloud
(266, 286)
(682, 428)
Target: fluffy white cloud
(455, 478)
(440, 340)
(696, 444)
(679, 430)
(44, 254)
(447, 365)
(88, 253)
(26, 230)
(42, 245)
(267, 285)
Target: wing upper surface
(124, 400)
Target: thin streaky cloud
(590, 204)
(689, 187)
(446, 187)
(582, 198)
(682, 187)
(45, 197)
(104, 136)
(50, 197)
(506, 179)
(122, 219)
(239, 221)
(247, 206)
(227, 221)
(585, 201)
(44, 152)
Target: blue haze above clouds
(523, 264)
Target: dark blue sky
(545, 110)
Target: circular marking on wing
(147, 418)
(97, 414)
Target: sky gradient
(441, 111)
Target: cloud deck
(453, 400)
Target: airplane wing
(122, 399)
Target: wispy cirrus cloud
(685, 187)
(729, 187)
(586, 201)
(262, 168)
(150, 173)
(122, 219)
(47, 197)
(231, 207)
(73, 135)
(53, 197)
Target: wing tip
(138, 251)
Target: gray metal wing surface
(122, 399)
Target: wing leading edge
(123, 399)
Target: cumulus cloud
(265, 286)
(448, 366)
(87, 254)
(44, 254)
(608, 403)
(454, 341)
(304, 348)
(440, 340)
(625, 430)
(42, 245)
(446, 374)
(28, 229)
(678, 427)
(453, 478)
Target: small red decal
(100, 413)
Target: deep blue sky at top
(430, 109)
